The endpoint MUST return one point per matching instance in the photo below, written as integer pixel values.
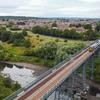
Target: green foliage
(65, 40)
(24, 32)
(7, 82)
(53, 51)
(2, 29)
(18, 39)
(65, 52)
(16, 86)
(47, 51)
(15, 28)
(7, 87)
(98, 27)
(97, 69)
(2, 53)
(4, 36)
(88, 26)
(24, 43)
(61, 55)
(70, 34)
(90, 35)
(54, 24)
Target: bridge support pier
(55, 97)
(98, 52)
(84, 75)
(58, 95)
(92, 69)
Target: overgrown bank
(7, 87)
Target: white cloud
(90, 1)
(50, 8)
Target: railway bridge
(49, 84)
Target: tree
(88, 26)
(2, 29)
(8, 82)
(4, 36)
(98, 27)
(24, 32)
(2, 53)
(47, 51)
(90, 35)
(26, 43)
(70, 34)
(54, 24)
(16, 37)
(16, 86)
(61, 55)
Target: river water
(23, 76)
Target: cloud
(90, 1)
(50, 8)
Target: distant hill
(17, 17)
(57, 18)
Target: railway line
(48, 84)
(53, 79)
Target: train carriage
(94, 46)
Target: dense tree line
(17, 39)
(70, 34)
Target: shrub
(15, 28)
(57, 40)
(46, 51)
(4, 36)
(24, 32)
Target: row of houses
(61, 24)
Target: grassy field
(36, 41)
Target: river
(22, 75)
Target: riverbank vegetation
(45, 53)
(7, 87)
(24, 46)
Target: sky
(50, 8)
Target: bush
(15, 28)
(24, 32)
(57, 40)
(7, 87)
(37, 36)
(19, 40)
(24, 43)
(46, 51)
(65, 40)
(4, 36)
(8, 82)
(16, 37)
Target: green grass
(36, 41)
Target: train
(94, 46)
